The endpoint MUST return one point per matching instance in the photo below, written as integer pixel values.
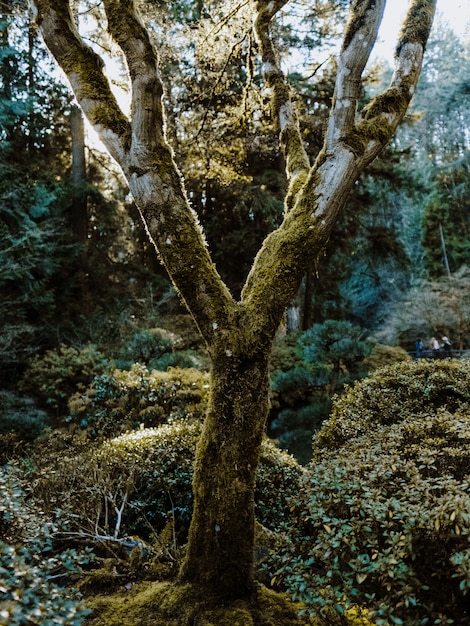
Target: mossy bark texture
(238, 334)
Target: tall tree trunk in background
(238, 334)
(79, 207)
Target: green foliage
(323, 359)
(296, 427)
(53, 377)
(148, 345)
(383, 516)
(394, 393)
(119, 400)
(19, 415)
(149, 472)
(30, 570)
(339, 344)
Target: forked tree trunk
(221, 538)
(219, 559)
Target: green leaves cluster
(119, 400)
(383, 516)
(150, 470)
(54, 376)
(322, 360)
(30, 573)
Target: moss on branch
(417, 24)
(357, 21)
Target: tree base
(168, 604)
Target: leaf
(361, 577)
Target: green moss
(167, 604)
(296, 184)
(362, 6)
(390, 101)
(418, 24)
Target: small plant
(19, 416)
(148, 345)
(30, 570)
(137, 483)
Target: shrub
(53, 377)
(150, 472)
(147, 345)
(120, 400)
(18, 415)
(29, 570)
(383, 515)
(296, 427)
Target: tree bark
(79, 195)
(220, 547)
(238, 334)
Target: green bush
(393, 393)
(150, 472)
(383, 515)
(146, 345)
(296, 427)
(120, 400)
(53, 377)
(29, 570)
(19, 415)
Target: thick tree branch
(139, 147)
(360, 36)
(147, 89)
(385, 112)
(84, 70)
(282, 110)
(349, 147)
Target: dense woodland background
(76, 266)
(88, 315)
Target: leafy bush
(295, 427)
(120, 400)
(393, 394)
(146, 345)
(53, 377)
(29, 569)
(149, 473)
(383, 515)
(19, 415)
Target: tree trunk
(79, 199)
(219, 560)
(221, 536)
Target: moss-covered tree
(238, 333)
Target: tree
(238, 333)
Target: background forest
(76, 267)
(94, 340)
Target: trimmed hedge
(119, 400)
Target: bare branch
(360, 36)
(283, 112)
(289, 251)
(386, 111)
(84, 70)
(147, 89)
